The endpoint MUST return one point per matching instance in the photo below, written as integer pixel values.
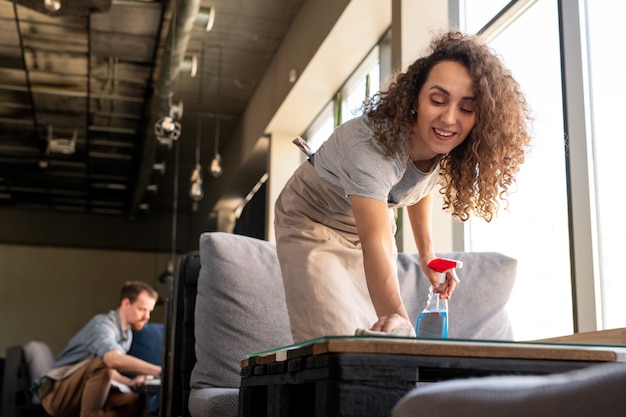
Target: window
(607, 92)
(364, 83)
(534, 229)
(480, 13)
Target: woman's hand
(388, 323)
(444, 289)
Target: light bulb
(168, 124)
(52, 5)
(196, 173)
(196, 192)
(216, 166)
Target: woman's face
(445, 111)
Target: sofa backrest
(240, 307)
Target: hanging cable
(196, 192)
(216, 164)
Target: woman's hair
(478, 174)
(132, 289)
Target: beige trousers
(87, 392)
(321, 259)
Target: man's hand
(138, 380)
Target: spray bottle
(432, 323)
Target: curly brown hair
(477, 175)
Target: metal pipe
(184, 13)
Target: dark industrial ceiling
(82, 87)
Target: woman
(455, 118)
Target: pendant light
(196, 192)
(216, 168)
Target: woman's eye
(467, 109)
(436, 101)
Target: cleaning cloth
(405, 331)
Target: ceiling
(81, 89)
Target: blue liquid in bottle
(432, 325)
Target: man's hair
(132, 289)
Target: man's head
(137, 300)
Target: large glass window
(608, 90)
(476, 14)
(534, 229)
(364, 83)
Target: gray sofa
(240, 309)
(597, 390)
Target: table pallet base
(357, 384)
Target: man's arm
(129, 364)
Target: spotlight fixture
(176, 110)
(52, 5)
(190, 65)
(205, 18)
(168, 274)
(167, 130)
(65, 146)
(159, 166)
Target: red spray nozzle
(441, 265)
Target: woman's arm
(372, 220)
(420, 215)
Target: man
(87, 377)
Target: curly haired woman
(456, 118)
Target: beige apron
(321, 259)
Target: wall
(48, 293)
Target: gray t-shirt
(101, 334)
(353, 160)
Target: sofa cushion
(477, 307)
(240, 307)
(594, 391)
(219, 402)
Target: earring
(412, 112)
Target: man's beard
(137, 326)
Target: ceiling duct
(185, 13)
(67, 7)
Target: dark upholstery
(148, 343)
(20, 367)
(179, 354)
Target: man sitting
(87, 378)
